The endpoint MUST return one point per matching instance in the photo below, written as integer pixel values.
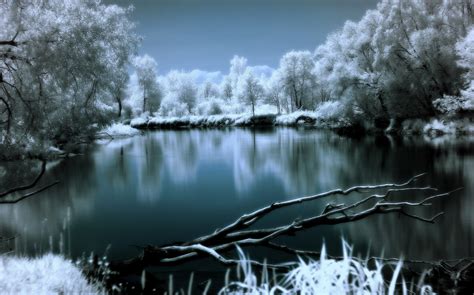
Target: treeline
(63, 70)
(404, 59)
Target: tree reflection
(155, 169)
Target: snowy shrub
(451, 105)
(119, 129)
(293, 118)
(171, 106)
(50, 274)
(210, 106)
(330, 110)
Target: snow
(136, 122)
(293, 118)
(120, 130)
(50, 274)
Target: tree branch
(237, 234)
(27, 186)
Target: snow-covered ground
(118, 130)
(49, 274)
(329, 115)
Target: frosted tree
(344, 67)
(182, 88)
(209, 89)
(296, 68)
(414, 50)
(465, 50)
(238, 66)
(145, 68)
(397, 59)
(274, 91)
(61, 64)
(250, 90)
(227, 92)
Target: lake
(166, 186)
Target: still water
(170, 186)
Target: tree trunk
(383, 105)
(144, 100)
(119, 101)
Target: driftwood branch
(239, 234)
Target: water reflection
(174, 185)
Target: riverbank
(436, 126)
(432, 128)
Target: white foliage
(119, 129)
(50, 274)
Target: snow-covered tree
(398, 58)
(62, 63)
(296, 68)
(465, 50)
(274, 91)
(227, 92)
(182, 87)
(209, 89)
(145, 68)
(250, 90)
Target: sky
(206, 34)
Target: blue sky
(205, 34)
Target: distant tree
(238, 66)
(227, 88)
(145, 67)
(250, 89)
(274, 91)
(296, 68)
(209, 90)
(182, 87)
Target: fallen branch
(29, 194)
(215, 245)
(27, 186)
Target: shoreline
(431, 128)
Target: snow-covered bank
(314, 119)
(117, 130)
(50, 274)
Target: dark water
(175, 185)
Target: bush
(451, 105)
(172, 107)
(210, 106)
